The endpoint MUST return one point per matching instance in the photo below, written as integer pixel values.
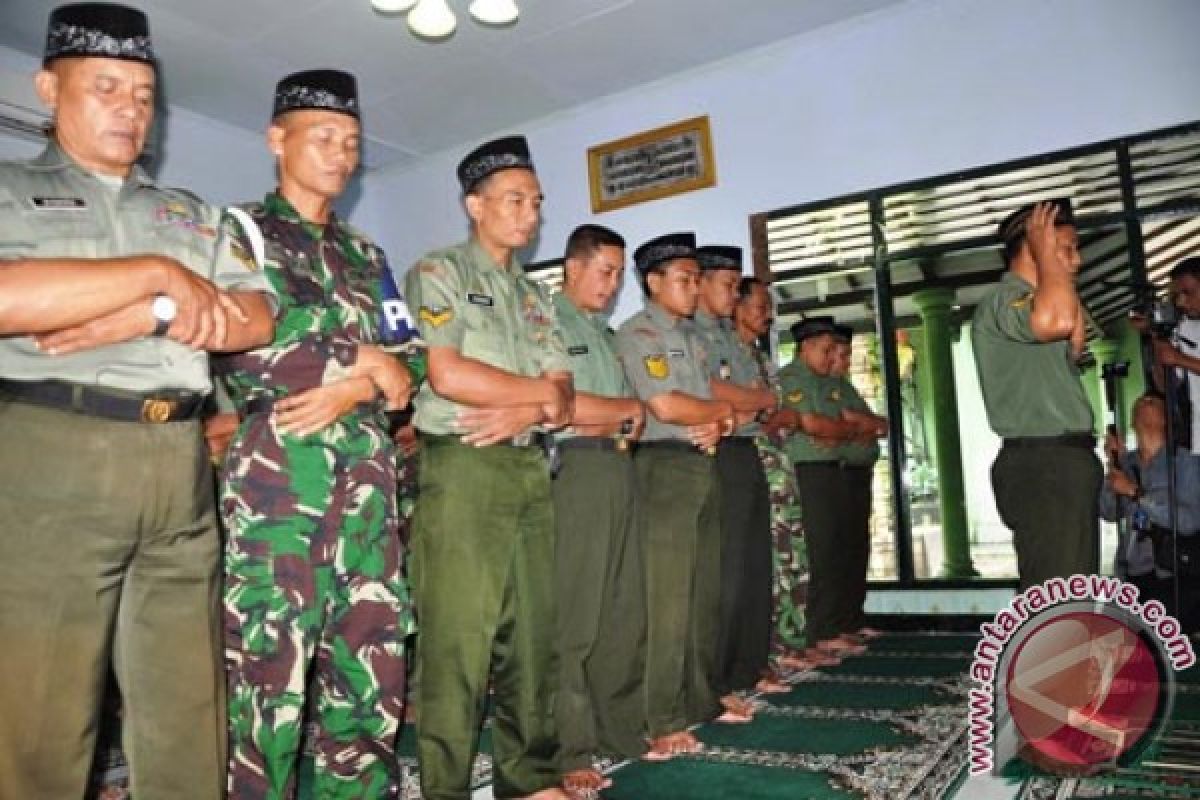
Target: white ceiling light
(432, 19)
(393, 6)
(494, 12)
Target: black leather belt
(737, 441)
(1084, 440)
(98, 401)
(594, 443)
(671, 445)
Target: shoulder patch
(657, 367)
(796, 396)
(835, 394)
(1022, 301)
(435, 316)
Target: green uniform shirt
(51, 207)
(855, 453)
(491, 313)
(1030, 388)
(662, 354)
(808, 393)
(591, 352)
(728, 358)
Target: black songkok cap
(511, 152)
(719, 256)
(320, 89)
(664, 248)
(98, 30)
(843, 333)
(813, 326)
(1013, 226)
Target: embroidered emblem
(437, 317)
(1022, 301)
(657, 367)
(795, 397)
(178, 215)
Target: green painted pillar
(936, 306)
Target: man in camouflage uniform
(679, 494)
(752, 319)
(314, 594)
(602, 629)
(744, 643)
(482, 563)
(111, 292)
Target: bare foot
(585, 781)
(772, 684)
(737, 710)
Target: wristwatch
(164, 310)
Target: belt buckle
(157, 410)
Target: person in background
(1135, 489)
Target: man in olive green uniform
(482, 562)
(1027, 334)
(858, 455)
(678, 492)
(602, 620)
(113, 291)
(815, 403)
(745, 630)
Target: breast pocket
(67, 233)
(484, 337)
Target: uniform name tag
(44, 203)
(675, 353)
(577, 350)
(480, 299)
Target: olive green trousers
(108, 550)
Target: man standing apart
(1027, 334)
(314, 595)
(600, 581)
(813, 410)
(859, 454)
(678, 492)
(482, 566)
(112, 291)
(744, 640)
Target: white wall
(220, 162)
(919, 89)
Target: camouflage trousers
(789, 589)
(316, 610)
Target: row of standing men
(609, 607)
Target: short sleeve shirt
(806, 392)
(856, 453)
(1030, 388)
(729, 359)
(492, 313)
(591, 352)
(51, 207)
(662, 354)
